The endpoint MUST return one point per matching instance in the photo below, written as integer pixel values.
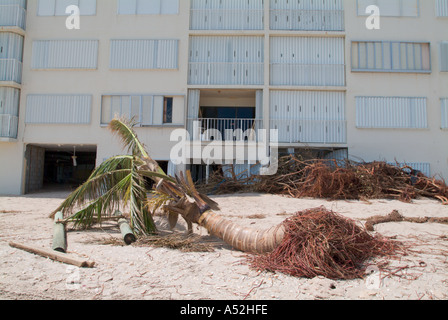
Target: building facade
(331, 77)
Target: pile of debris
(336, 180)
(319, 242)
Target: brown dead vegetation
(334, 180)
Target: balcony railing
(8, 126)
(290, 74)
(11, 70)
(307, 20)
(213, 129)
(12, 16)
(226, 73)
(311, 131)
(219, 19)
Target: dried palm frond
(318, 242)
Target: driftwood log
(53, 255)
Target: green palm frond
(124, 130)
(102, 180)
(119, 183)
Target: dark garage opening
(58, 167)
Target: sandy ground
(136, 273)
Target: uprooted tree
(331, 245)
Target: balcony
(226, 73)
(221, 19)
(307, 20)
(8, 126)
(214, 129)
(11, 70)
(12, 16)
(311, 131)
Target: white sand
(131, 273)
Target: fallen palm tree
(119, 182)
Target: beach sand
(137, 273)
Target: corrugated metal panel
(444, 106)
(307, 61)
(144, 54)
(8, 126)
(391, 112)
(311, 15)
(308, 116)
(11, 46)
(391, 8)
(444, 56)
(59, 7)
(58, 109)
(148, 6)
(12, 14)
(391, 56)
(21, 3)
(442, 8)
(423, 167)
(9, 101)
(233, 60)
(65, 54)
(226, 15)
(10, 70)
(340, 155)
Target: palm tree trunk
(243, 239)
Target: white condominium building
(359, 79)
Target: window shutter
(127, 6)
(158, 111)
(46, 8)
(444, 56)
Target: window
(65, 54)
(444, 56)
(442, 8)
(226, 60)
(58, 7)
(145, 110)
(307, 61)
(148, 6)
(391, 8)
(227, 15)
(168, 110)
(391, 112)
(144, 54)
(385, 56)
(58, 109)
(307, 15)
(444, 105)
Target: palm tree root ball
(318, 242)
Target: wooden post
(53, 255)
(126, 232)
(59, 234)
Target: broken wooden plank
(53, 255)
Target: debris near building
(335, 180)
(319, 242)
